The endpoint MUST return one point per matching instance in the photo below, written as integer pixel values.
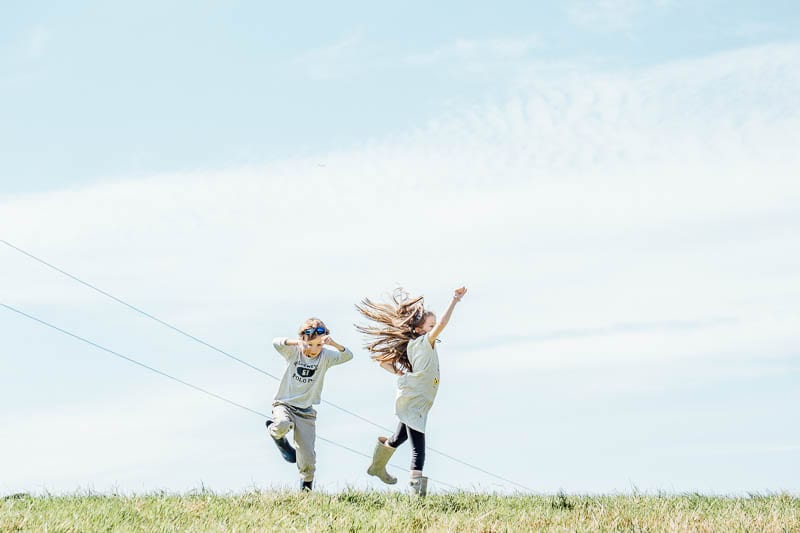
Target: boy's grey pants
(285, 417)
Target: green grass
(374, 511)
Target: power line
(190, 385)
(130, 360)
(241, 361)
(174, 328)
(140, 311)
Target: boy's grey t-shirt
(301, 385)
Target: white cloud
(661, 197)
(750, 338)
(562, 165)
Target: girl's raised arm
(437, 329)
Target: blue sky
(615, 181)
(94, 90)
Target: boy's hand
(459, 293)
(330, 342)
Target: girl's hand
(459, 293)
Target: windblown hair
(394, 327)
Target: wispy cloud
(643, 222)
(563, 164)
(602, 331)
(750, 339)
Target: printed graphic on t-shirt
(304, 373)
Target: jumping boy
(307, 360)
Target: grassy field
(373, 511)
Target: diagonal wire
(140, 311)
(187, 384)
(242, 361)
(129, 359)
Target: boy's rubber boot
(383, 452)
(419, 486)
(286, 449)
(306, 486)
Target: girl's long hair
(393, 328)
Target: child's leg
(399, 437)
(417, 450)
(282, 421)
(305, 433)
(418, 482)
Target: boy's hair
(395, 328)
(312, 324)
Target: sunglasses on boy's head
(319, 330)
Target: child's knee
(280, 428)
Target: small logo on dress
(435, 381)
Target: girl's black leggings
(417, 444)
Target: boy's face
(427, 325)
(314, 346)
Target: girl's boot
(383, 452)
(419, 486)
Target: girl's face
(314, 346)
(427, 325)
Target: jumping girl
(405, 336)
(307, 360)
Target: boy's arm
(285, 346)
(437, 329)
(344, 354)
(294, 342)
